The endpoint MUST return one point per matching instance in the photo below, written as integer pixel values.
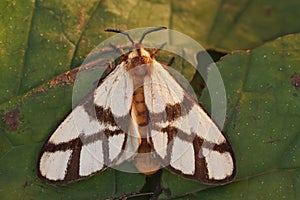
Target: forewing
(198, 149)
(91, 137)
(185, 138)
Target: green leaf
(45, 37)
(224, 25)
(262, 125)
(229, 25)
(37, 42)
(40, 40)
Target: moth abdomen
(139, 108)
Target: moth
(139, 112)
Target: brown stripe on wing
(74, 162)
(171, 132)
(201, 170)
(72, 172)
(50, 147)
(172, 112)
(200, 164)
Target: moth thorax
(140, 66)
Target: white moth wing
(57, 171)
(160, 90)
(183, 135)
(119, 88)
(132, 143)
(160, 143)
(91, 158)
(182, 156)
(89, 139)
(212, 157)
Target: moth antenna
(150, 31)
(119, 31)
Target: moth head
(138, 52)
(139, 62)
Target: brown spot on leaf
(226, 119)
(65, 78)
(238, 108)
(11, 119)
(40, 89)
(268, 10)
(295, 79)
(81, 20)
(83, 40)
(272, 140)
(230, 7)
(25, 185)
